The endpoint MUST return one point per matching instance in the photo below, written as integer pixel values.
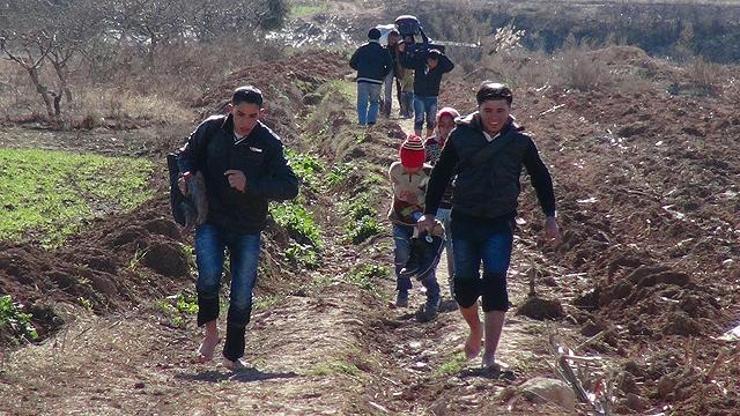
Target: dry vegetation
(129, 62)
(647, 193)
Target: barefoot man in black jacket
(244, 167)
(486, 150)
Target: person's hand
(237, 180)
(182, 182)
(407, 196)
(426, 223)
(552, 231)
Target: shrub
(298, 222)
(17, 323)
(365, 276)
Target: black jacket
(372, 63)
(426, 82)
(211, 149)
(489, 190)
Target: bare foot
(206, 348)
(237, 365)
(472, 345)
(489, 361)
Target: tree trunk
(43, 91)
(150, 53)
(61, 71)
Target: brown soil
(647, 193)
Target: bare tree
(29, 50)
(74, 25)
(67, 27)
(148, 23)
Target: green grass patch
(52, 192)
(454, 365)
(304, 256)
(14, 322)
(306, 167)
(309, 8)
(361, 220)
(299, 223)
(347, 89)
(367, 275)
(178, 308)
(265, 302)
(338, 174)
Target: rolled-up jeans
(244, 249)
(477, 242)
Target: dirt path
(329, 349)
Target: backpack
(188, 210)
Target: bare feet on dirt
(238, 364)
(489, 361)
(207, 347)
(473, 343)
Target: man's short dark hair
(490, 90)
(434, 54)
(247, 94)
(373, 34)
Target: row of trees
(35, 34)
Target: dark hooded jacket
(488, 190)
(426, 81)
(212, 149)
(372, 63)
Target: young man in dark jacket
(487, 151)
(372, 63)
(428, 70)
(243, 165)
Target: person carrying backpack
(428, 69)
(487, 151)
(243, 165)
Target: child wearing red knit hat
(409, 178)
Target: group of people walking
(417, 79)
(464, 175)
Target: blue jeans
(424, 106)
(244, 249)
(368, 102)
(402, 239)
(475, 242)
(407, 104)
(443, 214)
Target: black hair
(247, 94)
(434, 54)
(490, 90)
(373, 34)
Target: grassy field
(47, 194)
(305, 8)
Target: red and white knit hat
(412, 152)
